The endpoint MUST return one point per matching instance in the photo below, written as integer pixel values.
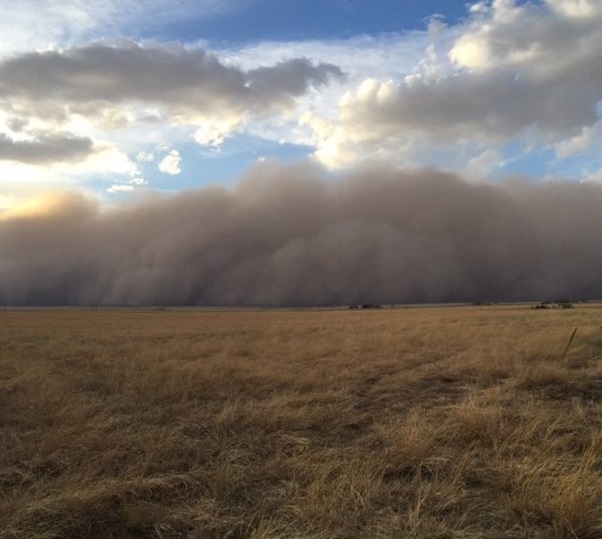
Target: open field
(458, 422)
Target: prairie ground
(458, 422)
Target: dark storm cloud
(46, 149)
(289, 236)
(171, 75)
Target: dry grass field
(457, 422)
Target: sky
(125, 102)
(121, 97)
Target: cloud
(576, 144)
(480, 166)
(292, 236)
(383, 56)
(75, 115)
(511, 75)
(127, 186)
(145, 157)
(45, 149)
(170, 164)
(120, 188)
(122, 80)
(576, 8)
(214, 131)
(21, 180)
(37, 25)
(525, 71)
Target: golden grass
(407, 423)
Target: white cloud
(109, 160)
(576, 8)
(213, 131)
(38, 25)
(145, 157)
(576, 144)
(471, 52)
(389, 55)
(527, 72)
(171, 163)
(120, 188)
(127, 185)
(595, 176)
(484, 164)
(20, 181)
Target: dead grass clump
(111, 509)
(409, 443)
(474, 420)
(542, 375)
(562, 497)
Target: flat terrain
(457, 422)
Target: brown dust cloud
(293, 236)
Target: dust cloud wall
(292, 236)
